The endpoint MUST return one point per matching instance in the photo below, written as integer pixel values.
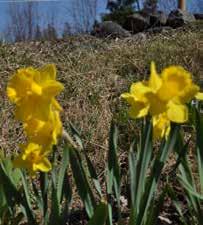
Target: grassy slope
(94, 73)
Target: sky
(61, 9)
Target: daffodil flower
(33, 158)
(164, 97)
(42, 132)
(33, 91)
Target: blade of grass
(82, 184)
(113, 169)
(100, 215)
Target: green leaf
(152, 183)
(113, 169)
(189, 188)
(3, 201)
(176, 203)
(38, 197)
(93, 175)
(133, 173)
(27, 201)
(142, 164)
(82, 184)
(181, 150)
(62, 173)
(91, 169)
(100, 215)
(67, 192)
(55, 204)
(155, 211)
(12, 194)
(76, 135)
(110, 216)
(44, 185)
(199, 146)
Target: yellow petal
(43, 165)
(128, 97)
(187, 94)
(138, 110)
(33, 126)
(56, 105)
(175, 79)
(52, 88)
(139, 89)
(156, 105)
(12, 95)
(47, 72)
(199, 96)
(155, 81)
(32, 147)
(161, 126)
(36, 89)
(44, 133)
(33, 107)
(177, 113)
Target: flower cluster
(164, 96)
(33, 92)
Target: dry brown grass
(94, 73)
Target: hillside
(95, 72)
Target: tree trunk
(182, 4)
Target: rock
(178, 18)
(137, 23)
(198, 16)
(110, 29)
(140, 36)
(158, 18)
(155, 30)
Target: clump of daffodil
(33, 92)
(164, 96)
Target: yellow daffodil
(44, 132)
(164, 97)
(33, 92)
(33, 158)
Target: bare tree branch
(23, 19)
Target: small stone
(178, 18)
(158, 18)
(198, 16)
(156, 30)
(137, 23)
(110, 29)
